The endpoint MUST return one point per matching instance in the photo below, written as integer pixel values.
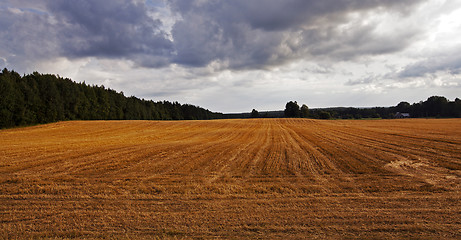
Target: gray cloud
(198, 51)
(371, 78)
(236, 34)
(26, 37)
(435, 66)
(254, 34)
(83, 28)
(450, 63)
(119, 29)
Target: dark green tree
(9, 96)
(436, 106)
(304, 111)
(254, 114)
(403, 107)
(43, 98)
(324, 115)
(292, 110)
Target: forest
(43, 98)
(433, 107)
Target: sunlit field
(255, 178)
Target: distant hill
(44, 98)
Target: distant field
(256, 178)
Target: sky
(239, 55)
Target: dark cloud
(433, 66)
(115, 29)
(273, 15)
(258, 33)
(25, 37)
(280, 15)
(238, 34)
(450, 63)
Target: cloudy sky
(236, 55)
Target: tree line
(43, 98)
(433, 107)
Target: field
(255, 179)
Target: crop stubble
(256, 178)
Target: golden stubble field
(256, 178)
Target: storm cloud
(241, 46)
(235, 34)
(87, 28)
(252, 34)
(119, 29)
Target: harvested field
(256, 178)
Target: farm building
(401, 115)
